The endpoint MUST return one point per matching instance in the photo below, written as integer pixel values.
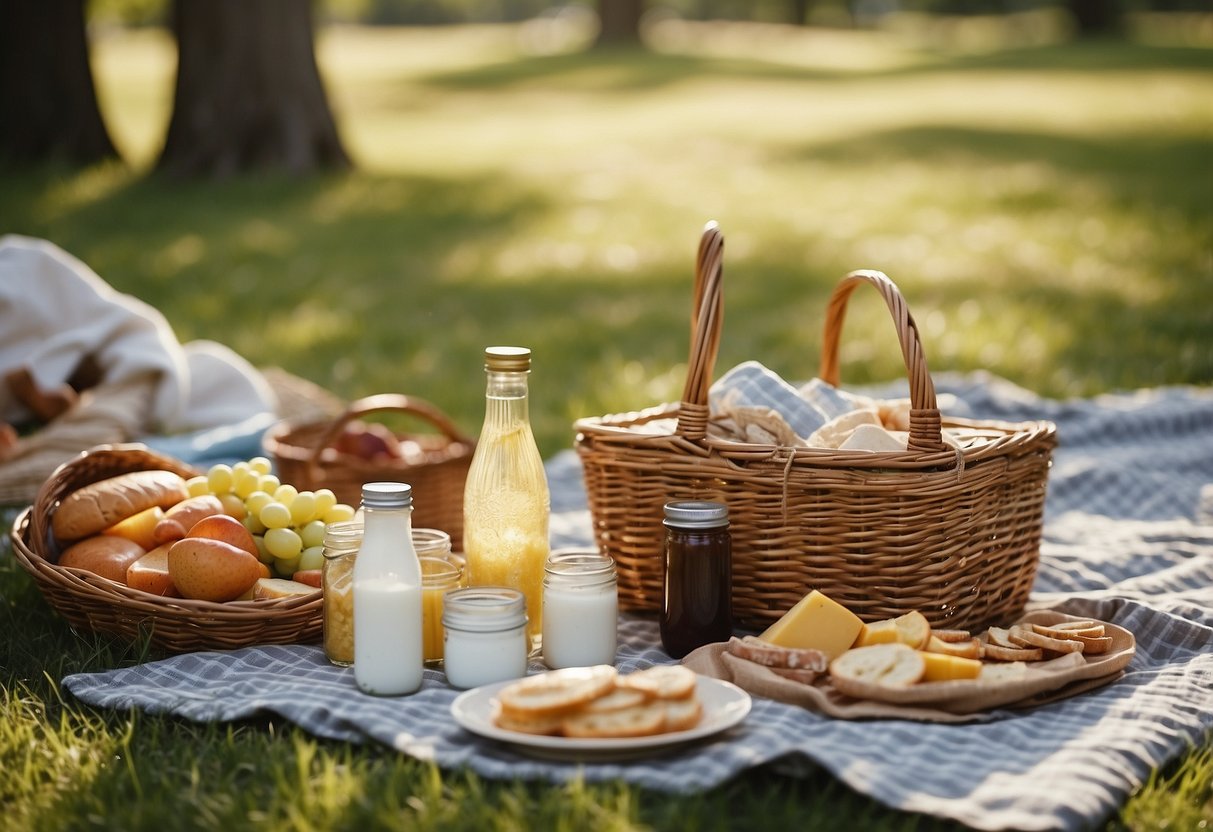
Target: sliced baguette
(616, 700)
(663, 681)
(1094, 630)
(639, 721)
(998, 653)
(1001, 637)
(771, 655)
(1025, 637)
(556, 692)
(549, 726)
(682, 714)
(889, 665)
(797, 674)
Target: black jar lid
(696, 514)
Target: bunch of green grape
(288, 525)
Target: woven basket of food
(346, 452)
(117, 544)
(951, 529)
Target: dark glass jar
(698, 591)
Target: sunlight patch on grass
(79, 189)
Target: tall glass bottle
(506, 503)
(388, 630)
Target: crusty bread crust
(771, 655)
(101, 504)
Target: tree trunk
(248, 94)
(48, 106)
(619, 22)
(800, 11)
(1095, 17)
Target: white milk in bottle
(388, 630)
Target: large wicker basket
(89, 601)
(305, 458)
(953, 534)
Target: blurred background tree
(48, 104)
(248, 93)
(619, 22)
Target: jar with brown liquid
(697, 608)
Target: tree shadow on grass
(1145, 168)
(623, 70)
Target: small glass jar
(439, 576)
(432, 543)
(485, 637)
(341, 542)
(697, 606)
(580, 609)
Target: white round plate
(724, 705)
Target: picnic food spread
(214, 537)
(801, 514)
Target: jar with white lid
(485, 639)
(580, 609)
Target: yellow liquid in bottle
(505, 530)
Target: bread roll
(179, 519)
(100, 505)
(104, 555)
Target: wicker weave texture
(954, 535)
(178, 625)
(305, 458)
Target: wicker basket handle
(707, 313)
(383, 402)
(925, 426)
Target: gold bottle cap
(507, 359)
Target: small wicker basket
(953, 534)
(305, 458)
(177, 625)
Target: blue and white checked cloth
(1123, 543)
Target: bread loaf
(101, 504)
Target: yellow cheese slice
(911, 629)
(879, 632)
(941, 668)
(816, 622)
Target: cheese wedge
(816, 622)
(943, 668)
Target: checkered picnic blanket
(1128, 539)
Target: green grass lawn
(1044, 207)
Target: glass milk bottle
(506, 503)
(387, 594)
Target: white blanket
(55, 311)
